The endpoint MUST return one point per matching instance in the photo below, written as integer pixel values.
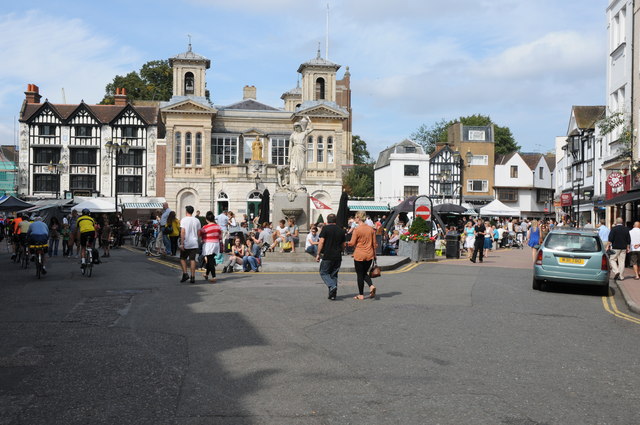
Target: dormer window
(320, 86)
(189, 86)
(410, 149)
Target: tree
(428, 137)
(360, 152)
(153, 82)
(358, 181)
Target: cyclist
(23, 228)
(38, 234)
(16, 235)
(87, 229)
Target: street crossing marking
(611, 307)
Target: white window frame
(329, 149)
(480, 160)
(228, 141)
(320, 149)
(274, 143)
(310, 149)
(485, 185)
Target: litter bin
(453, 245)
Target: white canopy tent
(497, 208)
(96, 205)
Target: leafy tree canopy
(360, 152)
(428, 137)
(153, 82)
(358, 181)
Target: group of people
(80, 231)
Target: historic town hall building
(207, 152)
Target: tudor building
(63, 148)
(207, 151)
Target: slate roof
(309, 104)
(384, 158)
(8, 153)
(250, 105)
(531, 159)
(103, 113)
(201, 100)
(319, 61)
(587, 116)
(502, 159)
(296, 91)
(189, 56)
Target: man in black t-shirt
(479, 230)
(330, 248)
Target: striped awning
(367, 206)
(142, 205)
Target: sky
(412, 62)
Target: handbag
(167, 230)
(286, 246)
(374, 270)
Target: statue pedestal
(298, 208)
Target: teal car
(572, 256)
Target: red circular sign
(424, 212)
(615, 179)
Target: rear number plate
(566, 260)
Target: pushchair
(514, 240)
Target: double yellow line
(609, 304)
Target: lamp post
(579, 179)
(116, 149)
(56, 169)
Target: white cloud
(54, 52)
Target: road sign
(424, 212)
(422, 208)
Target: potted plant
(418, 244)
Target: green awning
(368, 206)
(142, 205)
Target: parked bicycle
(152, 245)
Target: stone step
(293, 257)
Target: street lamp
(579, 179)
(56, 169)
(116, 149)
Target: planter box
(417, 251)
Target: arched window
(187, 149)
(223, 196)
(254, 196)
(330, 150)
(320, 88)
(189, 86)
(198, 148)
(178, 149)
(310, 149)
(320, 146)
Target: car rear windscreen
(573, 242)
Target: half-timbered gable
(444, 174)
(63, 148)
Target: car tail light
(539, 258)
(605, 263)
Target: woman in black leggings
(364, 240)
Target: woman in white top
(280, 234)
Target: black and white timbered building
(445, 177)
(63, 153)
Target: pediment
(189, 106)
(322, 111)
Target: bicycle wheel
(89, 264)
(152, 248)
(38, 265)
(25, 259)
(136, 239)
(18, 258)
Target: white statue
(297, 153)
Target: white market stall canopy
(96, 205)
(497, 208)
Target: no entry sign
(424, 212)
(422, 207)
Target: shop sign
(566, 199)
(615, 181)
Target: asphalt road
(446, 343)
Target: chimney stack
(32, 94)
(120, 98)
(249, 92)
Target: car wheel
(605, 290)
(536, 284)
